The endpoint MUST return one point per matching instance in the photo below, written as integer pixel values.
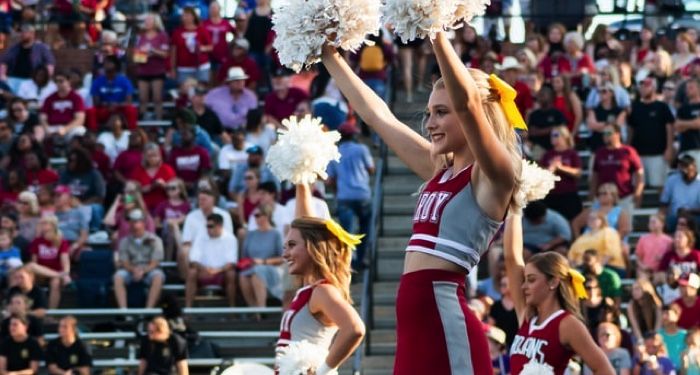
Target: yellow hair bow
(508, 94)
(349, 239)
(577, 281)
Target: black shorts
(415, 43)
(157, 77)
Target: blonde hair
(331, 257)
(554, 265)
(161, 327)
(612, 189)
(53, 220)
(157, 22)
(502, 129)
(566, 134)
(664, 63)
(31, 200)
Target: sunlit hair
(161, 328)
(612, 189)
(664, 63)
(645, 308)
(575, 38)
(32, 200)
(688, 233)
(612, 327)
(497, 118)
(688, 40)
(157, 22)
(181, 188)
(331, 258)
(148, 147)
(555, 266)
(266, 210)
(565, 134)
(613, 73)
(57, 236)
(599, 214)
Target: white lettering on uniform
(530, 347)
(429, 206)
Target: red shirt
(154, 65)
(188, 44)
(41, 177)
(47, 254)
(560, 104)
(551, 68)
(617, 166)
(690, 315)
(283, 108)
(686, 264)
(128, 161)
(218, 32)
(569, 158)
(540, 343)
(62, 110)
(157, 194)
(191, 163)
(523, 100)
(101, 161)
(249, 66)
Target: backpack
(372, 59)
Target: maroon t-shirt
(690, 315)
(218, 32)
(191, 163)
(569, 158)
(167, 210)
(617, 166)
(154, 65)
(127, 162)
(283, 108)
(61, 110)
(686, 264)
(47, 254)
(188, 44)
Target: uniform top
(448, 222)
(540, 343)
(298, 323)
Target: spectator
(51, 258)
(510, 70)
(28, 213)
(20, 61)
(373, 63)
(607, 112)
(326, 100)
(72, 222)
(680, 97)
(619, 164)
(609, 339)
(63, 112)
(686, 125)
(608, 280)
(283, 100)
(115, 137)
(189, 160)
(607, 202)
(12, 185)
(10, 223)
(689, 303)
(239, 58)
(85, 181)
(233, 153)
(502, 313)
(258, 31)
(567, 102)
(257, 132)
(140, 254)
(686, 52)
(10, 257)
(249, 199)
(128, 160)
(184, 118)
(544, 229)
(22, 120)
(681, 191)
(691, 356)
(118, 215)
(563, 161)
(609, 74)
(151, 56)
(280, 215)
(543, 120)
(162, 352)
(653, 357)
(23, 283)
(75, 76)
(213, 259)
(605, 240)
(581, 64)
(37, 89)
(170, 214)
(111, 92)
(255, 160)
(232, 101)
(191, 45)
(220, 29)
(7, 137)
(18, 305)
(594, 307)
(262, 250)
(37, 173)
(67, 353)
(206, 118)
(673, 336)
(19, 353)
(644, 310)
(651, 133)
(500, 360)
(153, 175)
(652, 247)
(684, 258)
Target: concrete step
(399, 204)
(384, 317)
(389, 269)
(401, 184)
(397, 225)
(383, 343)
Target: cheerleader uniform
(436, 332)
(540, 343)
(298, 323)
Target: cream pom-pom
(299, 358)
(413, 19)
(303, 27)
(535, 183)
(303, 151)
(536, 368)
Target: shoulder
(325, 294)
(571, 328)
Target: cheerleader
(318, 252)
(551, 328)
(469, 117)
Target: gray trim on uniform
(454, 326)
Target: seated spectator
(19, 353)
(544, 229)
(51, 258)
(36, 90)
(140, 254)
(75, 76)
(609, 74)
(22, 145)
(13, 183)
(153, 175)
(37, 172)
(115, 137)
(111, 92)
(681, 191)
(257, 132)
(262, 250)
(689, 303)
(653, 357)
(563, 160)
(23, 282)
(72, 222)
(233, 153)
(22, 120)
(10, 258)
(608, 280)
(118, 215)
(652, 247)
(213, 259)
(686, 52)
(609, 338)
(691, 356)
(162, 352)
(85, 182)
(7, 137)
(673, 336)
(128, 160)
(170, 215)
(249, 199)
(63, 112)
(19, 62)
(502, 313)
(684, 258)
(607, 112)
(280, 216)
(10, 223)
(606, 202)
(184, 118)
(500, 360)
(206, 118)
(255, 160)
(67, 353)
(327, 102)
(28, 213)
(283, 100)
(190, 161)
(239, 58)
(151, 54)
(644, 310)
(543, 120)
(18, 305)
(595, 306)
(605, 240)
(232, 101)
(686, 118)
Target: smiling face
(296, 255)
(442, 125)
(536, 287)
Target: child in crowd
(10, 257)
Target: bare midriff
(416, 261)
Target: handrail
(153, 311)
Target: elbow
(357, 331)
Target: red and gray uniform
(299, 324)
(540, 343)
(436, 333)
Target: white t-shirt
(319, 207)
(28, 90)
(196, 223)
(280, 217)
(230, 157)
(114, 146)
(265, 139)
(215, 252)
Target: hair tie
(351, 240)
(577, 281)
(508, 94)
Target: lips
(437, 136)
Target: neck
(671, 327)
(215, 18)
(207, 210)
(264, 227)
(547, 308)
(683, 251)
(614, 145)
(462, 159)
(648, 99)
(68, 340)
(560, 147)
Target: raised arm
(303, 201)
(490, 153)
(515, 264)
(413, 149)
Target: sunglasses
(171, 187)
(23, 202)
(257, 214)
(608, 133)
(555, 135)
(211, 226)
(669, 88)
(249, 177)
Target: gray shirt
(141, 251)
(71, 223)
(263, 245)
(553, 226)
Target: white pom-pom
(300, 358)
(303, 27)
(413, 19)
(536, 368)
(535, 183)
(303, 151)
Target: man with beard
(681, 191)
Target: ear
(554, 283)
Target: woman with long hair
(115, 137)
(686, 52)
(67, 353)
(563, 161)
(170, 215)
(607, 112)
(29, 214)
(318, 252)
(607, 201)
(472, 166)
(116, 217)
(250, 196)
(51, 258)
(548, 309)
(150, 55)
(690, 359)
(153, 175)
(644, 310)
(567, 101)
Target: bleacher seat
(95, 278)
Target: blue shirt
(679, 194)
(553, 226)
(351, 172)
(9, 256)
(115, 91)
(237, 182)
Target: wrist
(324, 369)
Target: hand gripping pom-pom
(304, 26)
(536, 368)
(413, 19)
(299, 358)
(303, 151)
(535, 183)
